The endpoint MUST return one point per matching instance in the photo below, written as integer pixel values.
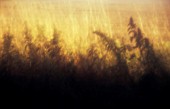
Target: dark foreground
(46, 91)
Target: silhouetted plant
(30, 47)
(131, 25)
(7, 40)
(11, 59)
(148, 59)
(121, 69)
(6, 56)
(95, 63)
(54, 48)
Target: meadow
(72, 50)
(84, 38)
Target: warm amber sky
(106, 1)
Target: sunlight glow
(75, 20)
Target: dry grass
(77, 20)
(31, 39)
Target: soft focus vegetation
(45, 38)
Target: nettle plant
(147, 56)
(146, 59)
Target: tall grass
(77, 20)
(119, 52)
(47, 57)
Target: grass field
(75, 22)
(84, 52)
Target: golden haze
(75, 21)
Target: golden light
(77, 19)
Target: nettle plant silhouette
(6, 51)
(148, 59)
(44, 56)
(11, 59)
(30, 48)
(149, 63)
(120, 70)
(54, 49)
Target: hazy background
(104, 1)
(77, 19)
